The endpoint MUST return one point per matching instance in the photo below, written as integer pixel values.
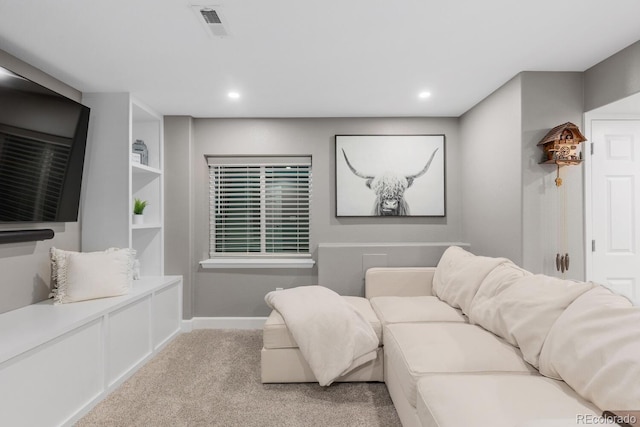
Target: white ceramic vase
(138, 219)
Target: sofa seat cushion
(414, 309)
(276, 335)
(413, 350)
(498, 400)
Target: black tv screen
(43, 137)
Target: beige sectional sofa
(478, 341)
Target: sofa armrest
(398, 281)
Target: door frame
(587, 179)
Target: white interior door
(615, 200)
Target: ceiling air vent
(212, 20)
(210, 16)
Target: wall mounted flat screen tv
(43, 137)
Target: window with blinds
(259, 206)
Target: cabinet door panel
(129, 340)
(166, 314)
(34, 387)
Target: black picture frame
(390, 175)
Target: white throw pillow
(58, 254)
(55, 254)
(90, 275)
(594, 347)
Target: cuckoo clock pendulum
(561, 146)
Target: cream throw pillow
(90, 275)
(55, 254)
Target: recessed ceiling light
(424, 95)
(233, 95)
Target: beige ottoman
(282, 362)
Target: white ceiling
(332, 58)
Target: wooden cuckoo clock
(561, 147)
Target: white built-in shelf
(117, 120)
(145, 226)
(64, 359)
(147, 184)
(137, 168)
(36, 324)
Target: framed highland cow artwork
(390, 175)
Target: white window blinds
(259, 205)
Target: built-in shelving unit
(138, 169)
(144, 226)
(147, 184)
(112, 181)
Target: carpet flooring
(212, 378)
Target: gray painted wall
(490, 136)
(613, 79)
(550, 99)
(511, 206)
(178, 210)
(24, 267)
(106, 224)
(219, 293)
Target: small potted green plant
(138, 210)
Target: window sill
(257, 263)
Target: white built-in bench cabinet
(58, 361)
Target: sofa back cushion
(595, 348)
(485, 309)
(521, 307)
(459, 274)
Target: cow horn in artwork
(354, 170)
(410, 178)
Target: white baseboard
(225, 323)
(187, 325)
